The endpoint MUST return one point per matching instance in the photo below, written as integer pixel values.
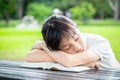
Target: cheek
(79, 42)
(69, 51)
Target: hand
(93, 65)
(38, 45)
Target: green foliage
(84, 11)
(63, 4)
(7, 6)
(103, 9)
(39, 11)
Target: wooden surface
(11, 70)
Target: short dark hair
(55, 28)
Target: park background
(92, 16)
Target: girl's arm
(37, 55)
(69, 60)
(41, 56)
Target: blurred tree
(102, 8)
(7, 7)
(115, 6)
(39, 10)
(19, 9)
(64, 4)
(83, 11)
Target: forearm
(38, 56)
(59, 56)
(68, 60)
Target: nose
(76, 48)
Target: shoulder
(96, 42)
(93, 37)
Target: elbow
(29, 57)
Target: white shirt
(101, 47)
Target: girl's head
(57, 27)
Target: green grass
(100, 23)
(12, 23)
(16, 43)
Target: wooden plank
(26, 74)
(12, 69)
(39, 74)
(68, 75)
(30, 72)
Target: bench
(11, 70)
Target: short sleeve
(100, 46)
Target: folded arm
(37, 54)
(85, 58)
(68, 60)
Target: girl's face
(71, 45)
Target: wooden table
(11, 70)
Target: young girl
(64, 44)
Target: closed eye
(76, 37)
